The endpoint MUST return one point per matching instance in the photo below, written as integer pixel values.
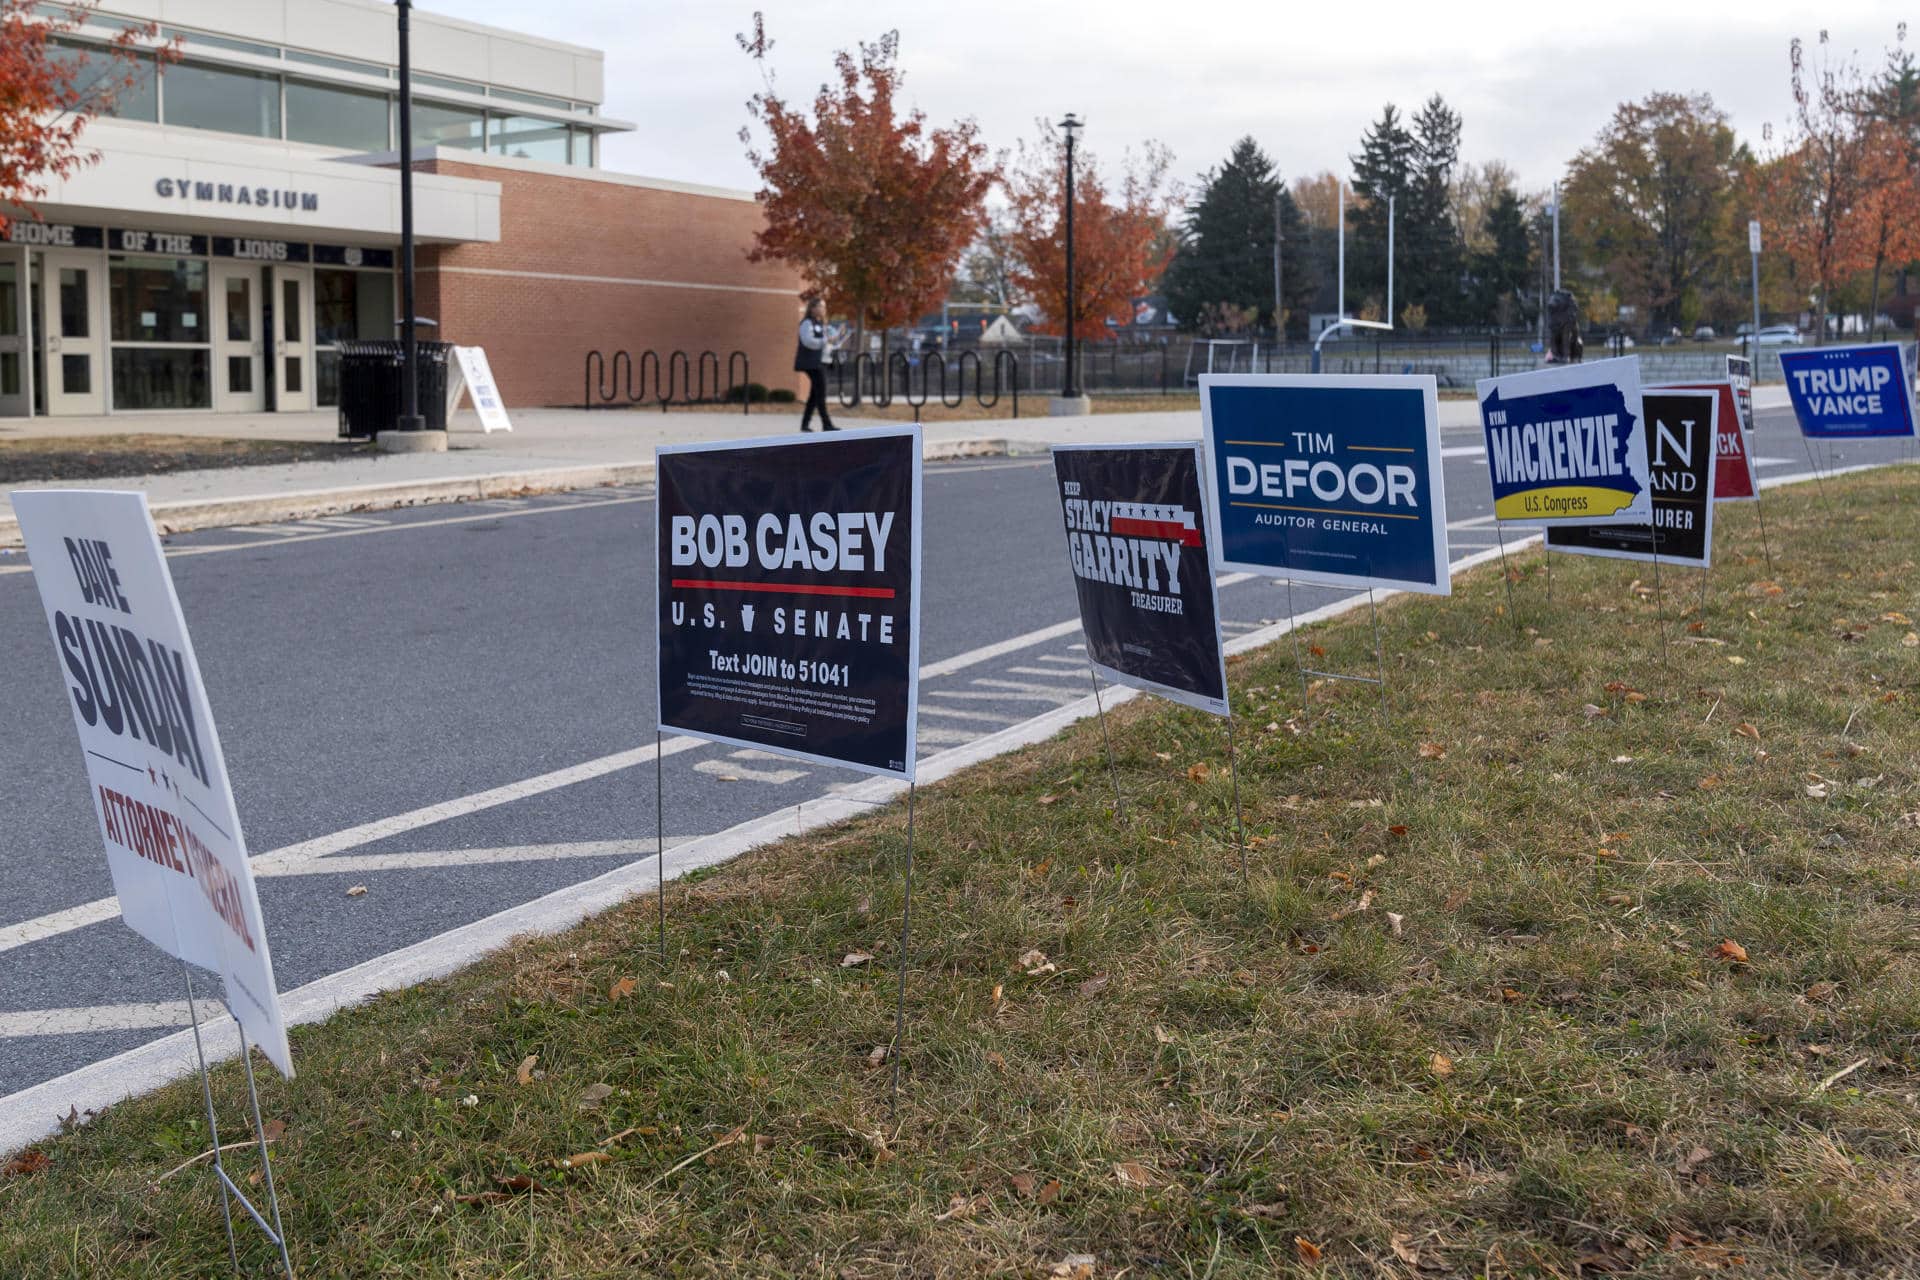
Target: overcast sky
(1534, 81)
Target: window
(531, 99)
(441, 82)
(528, 138)
(339, 64)
(350, 305)
(160, 378)
(581, 148)
(435, 125)
(96, 68)
(152, 299)
(336, 117)
(221, 42)
(223, 100)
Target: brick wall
(525, 300)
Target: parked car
(1779, 335)
(1704, 333)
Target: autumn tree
(1652, 201)
(873, 206)
(51, 87)
(1120, 241)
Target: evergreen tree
(1431, 260)
(1384, 170)
(1503, 272)
(1225, 254)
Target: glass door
(293, 338)
(239, 378)
(73, 306)
(16, 369)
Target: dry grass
(1555, 970)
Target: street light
(1070, 380)
(410, 419)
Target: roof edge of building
(486, 160)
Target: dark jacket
(808, 355)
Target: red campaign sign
(1732, 468)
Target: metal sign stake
(1379, 658)
(1299, 665)
(1112, 772)
(1506, 575)
(1659, 599)
(1239, 822)
(906, 922)
(228, 1188)
(660, 841)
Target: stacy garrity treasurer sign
(153, 759)
(1327, 479)
(1137, 543)
(787, 577)
(1567, 444)
(1840, 393)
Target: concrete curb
(270, 508)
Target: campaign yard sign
(1740, 373)
(787, 582)
(154, 765)
(1683, 429)
(1732, 467)
(1567, 444)
(1136, 537)
(1327, 479)
(1845, 393)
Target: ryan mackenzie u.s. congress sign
(1568, 444)
(788, 577)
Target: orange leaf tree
(874, 208)
(1121, 240)
(50, 90)
(1815, 198)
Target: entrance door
(16, 369)
(74, 314)
(293, 338)
(239, 373)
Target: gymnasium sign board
(1682, 426)
(787, 577)
(1327, 479)
(155, 770)
(1846, 393)
(1568, 444)
(1137, 541)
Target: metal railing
(864, 379)
(681, 379)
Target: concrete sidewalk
(548, 450)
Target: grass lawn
(38, 459)
(1574, 963)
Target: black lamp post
(1070, 380)
(410, 419)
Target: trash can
(371, 385)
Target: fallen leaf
(593, 1095)
(1709, 782)
(1161, 1035)
(1162, 755)
(621, 989)
(358, 891)
(1616, 686)
(763, 1143)
(1132, 1174)
(1590, 711)
(1898, 618)
(1403, 1248)
(1197, 772)
(999, 996)
(996, 1059)
(854, 959)
(1819, 790)
(877, 1056)
(525, 1074)
(31, 1161)
(1822, 991)
(962, 1207)
(1049, 798)
(1432, 751)
(1316, 651)
(1623, 759)
(1307, 1249)
(1396, 922)
(1748, 731)
(1075, 1266)
(1040, 868)
(1692, 1160)
(1636, 697)
(1456, 900)
(1910, 641)
(1509, 996)
(1050, 1192)
(1032, 958)
(1398, 830)
(1731, 950)
(1736, 660)
(1022, 1183)
(1093, 987)
(1695, 628)
(584, 1159)
(1442, 1065)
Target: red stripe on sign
(785, 588)
(1128, 527)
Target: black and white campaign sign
(1136, 537)
(1681, 431)
(788, 595)
(153, 759)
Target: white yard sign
(476, 378)
(154, 766)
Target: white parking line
(104, 1017)
(423, 860)
(954, 713)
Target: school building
(243, 218)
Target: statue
(1563, 329)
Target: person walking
(810, 358)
